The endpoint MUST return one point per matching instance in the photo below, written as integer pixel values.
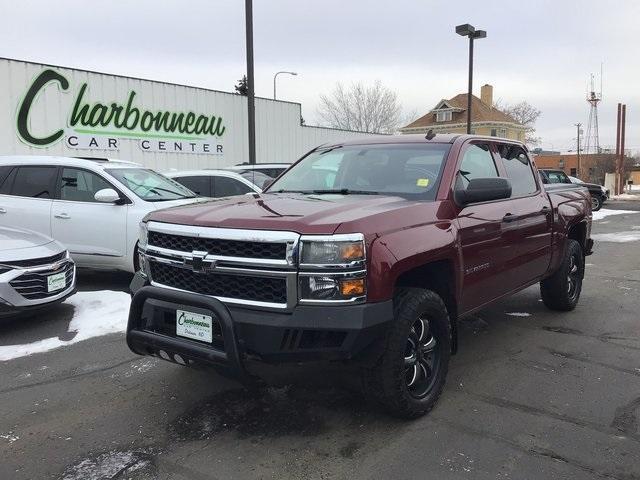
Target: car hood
(175, 203)
(17, 238)
(305, 214)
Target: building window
(494, 132)
(443, 116)
(573, 172)
(503, 132)
(561, 163)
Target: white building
(50, 110)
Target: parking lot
(531, 394)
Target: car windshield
(149, 185)
(409, 170)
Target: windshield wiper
(287, 191)
(345, 191)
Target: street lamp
(470, 31)
(274, 80)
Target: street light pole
(251, 101)
(276, 76)
(578, 125)
(467, 30)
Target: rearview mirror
(107, 195)
(483, 190)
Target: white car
(214, 183)
(35, 271)
(273, 170)
(92, 207)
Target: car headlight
(143, 234)
(332, 250)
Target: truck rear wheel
(562, 290)
(411, 372)
(596, 203)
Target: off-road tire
(386, 381)
(596, 203)
(557, 292)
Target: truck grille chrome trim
(252, 280)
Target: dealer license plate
(194, 325)
(56, 282)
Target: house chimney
(486, 94)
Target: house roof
(480, 112)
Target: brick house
(450, 116)
(593, 166)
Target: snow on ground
(605, 212)
(618, 237)
(626, 196)
(95, 314)
(518, 314)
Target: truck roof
(418, 138)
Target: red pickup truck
(366, 251)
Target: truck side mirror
(107, 195)
(483, 190)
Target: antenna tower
(592, 138)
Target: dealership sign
(96, 125)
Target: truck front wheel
(562, 290)
(411, 372)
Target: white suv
(93, 207)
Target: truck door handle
(3, 210)
(509, 217)
(63, 216)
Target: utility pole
(578, 125)
(251, 98)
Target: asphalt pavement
(532, 394)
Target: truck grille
(33, 285)
(215, 246)
(242, 287)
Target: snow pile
(605, 212)
(518, 314)
(95, 314)
(618, 237)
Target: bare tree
(525, 114)
(373, 108)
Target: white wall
(279, 135)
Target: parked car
(605, 191)
(372, 262)
(272, 170)
(259, 179)
(93, 207)
(214, 183)
(35, 271)
(598, 193)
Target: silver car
(35, 271)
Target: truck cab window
(519, 171)
(477, 162)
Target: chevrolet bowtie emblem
(197, 261)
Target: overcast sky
(539, 51)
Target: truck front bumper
(305, 333)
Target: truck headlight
(332, 250)
(332, 269)
(330, 288)
(143, 233)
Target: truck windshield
(408, 170)
(149, 185)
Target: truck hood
(304, 214)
